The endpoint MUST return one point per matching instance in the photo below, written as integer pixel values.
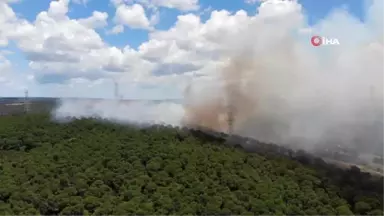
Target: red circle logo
(316, 41)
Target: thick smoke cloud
(278, 87)
(283, 90)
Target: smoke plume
(279, 88)
(273, 85)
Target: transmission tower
(116, 93)
(26, 101)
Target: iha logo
(317, 41)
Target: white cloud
(117, 29)
(132, 15)
(279, 8)
(10, 1)
(58, 9)
(5, 68)
(155, 17)
(183, 5)
(7, 22)
(61, 49)
(56, 44)
(252, 1)
(97, 20)
(12, 83)
(117, 2)
(83, 2)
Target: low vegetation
(91, 167)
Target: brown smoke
(230, 109)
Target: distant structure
(117, 95)
(26, 101)
(116, 90)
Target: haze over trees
(91, 167)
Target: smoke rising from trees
(277, 86)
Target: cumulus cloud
(12, 84)
(54, 38)
(83, 2)
(97, 20)
(57, 46)
(132, 15)
(183, 5)
(117, 29)
(5, 67)
(7, 21)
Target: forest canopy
(91, 167)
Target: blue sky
(315, 9)
(19, 62)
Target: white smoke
(302, 94)
(298, 93)
(143, 112)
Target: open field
(14, 106)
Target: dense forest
(93, 167)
